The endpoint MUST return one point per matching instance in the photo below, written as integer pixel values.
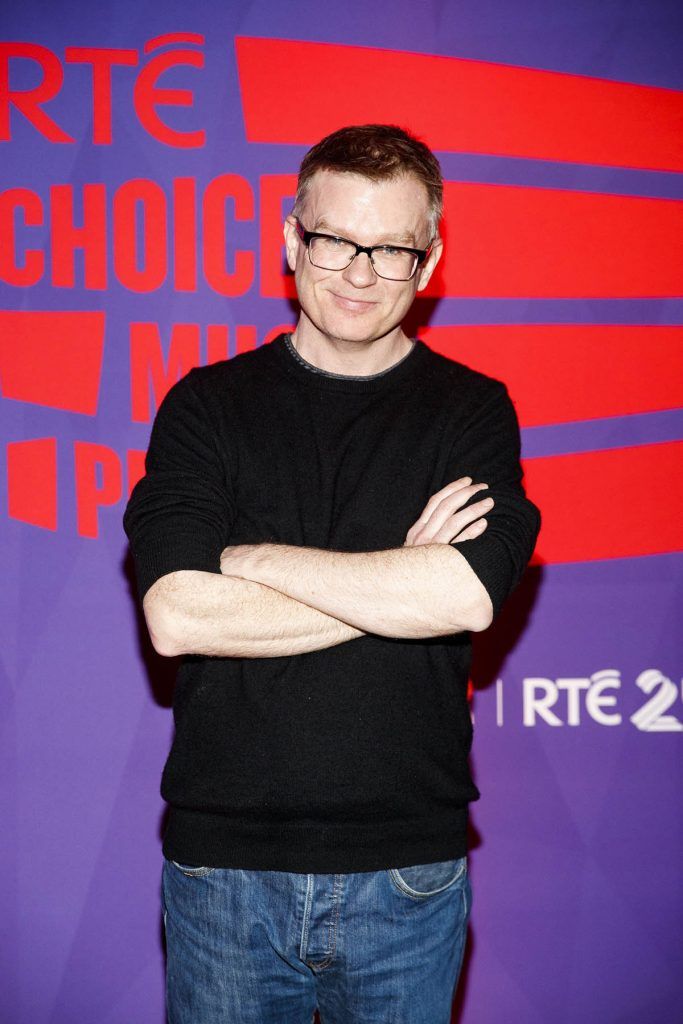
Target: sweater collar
(298, 367)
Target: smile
(352, 305)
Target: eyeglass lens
(336, 254)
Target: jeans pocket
(190, 871)
(424, 880)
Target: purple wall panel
(578, 836)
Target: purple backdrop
(577, 840)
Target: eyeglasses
(392, 262)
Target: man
(322, 523)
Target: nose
(360, 272)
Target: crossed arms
(275, 599)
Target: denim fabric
(268, 947)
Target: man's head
(376, 187)
(379, 152)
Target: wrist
(258, 561)
(245, 561)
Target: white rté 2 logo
(563, 701)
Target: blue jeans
(268, 947)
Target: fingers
(475, 530)
(450, 532)
(452, 527)
(445, 492)
(435, 500)
(444, 518)
(452, 505)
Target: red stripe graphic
(32, 482)
(52, 359)
(558, 373)
(608, 504)
(457, 105)
(174, 38)
(508, 241)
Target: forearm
(411, 592)
(190, 612)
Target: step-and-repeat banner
(148, 155)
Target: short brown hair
(378, 152)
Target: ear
(292, 241)
(429, 265)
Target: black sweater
(352, 758)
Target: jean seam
(414, 894)
(332, 927)
(308, 903)
(192, 872)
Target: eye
(390, 251)
(332, 242)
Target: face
(355, 305)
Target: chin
(354, 327)
(358, 333)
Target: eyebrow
(406, 238)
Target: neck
(351, 358)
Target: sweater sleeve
(180, 513)
(488, 450)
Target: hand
(238, 559)
(444, 519)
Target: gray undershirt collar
(341, 376)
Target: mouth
(352, 305)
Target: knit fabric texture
(353, 758)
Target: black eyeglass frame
(308, 236)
